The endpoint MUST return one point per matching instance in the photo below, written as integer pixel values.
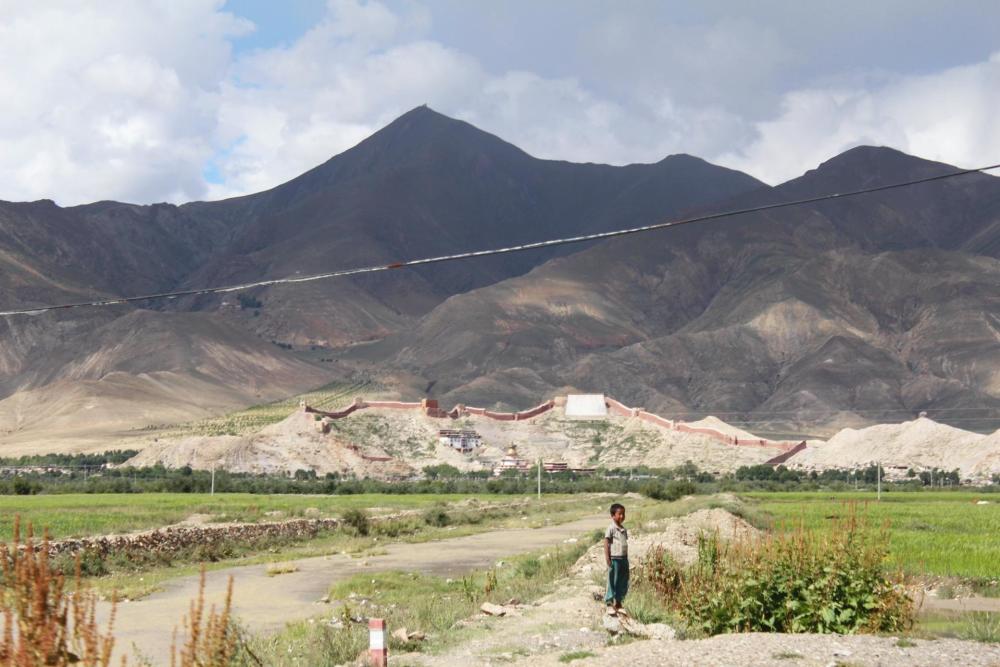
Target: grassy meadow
(81, 515)
(930, 533)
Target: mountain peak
(423, 128)
(876, 158)
(867, 166)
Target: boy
(616, 555)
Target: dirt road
(265, 604)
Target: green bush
(794, 581)
(437, 516)
(357, 520)
(529, 567)
(670, 491)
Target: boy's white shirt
(618, 535)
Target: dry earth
(411, 440)
(264, 604)
(570, 620)
(921, 443)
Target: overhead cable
(291, 280)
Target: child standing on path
(616, 555)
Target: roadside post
(539, 477)
(378, 648)
(878, 477)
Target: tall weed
(43, 624)
(209, 640)
(983, 627)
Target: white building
(462, 441)
(586, 406)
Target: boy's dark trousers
(617, 581)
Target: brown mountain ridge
(794, 320)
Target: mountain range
(798, 320)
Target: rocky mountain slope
(798, 320)
(426, 184)
(818, 316)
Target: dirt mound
(921, 443)
(723, 427)
(678, 536)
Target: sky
(181, 100)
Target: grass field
(931, 533)
(79, 515)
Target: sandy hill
(918, 444)
(384, 442)
(410, 439)
(143, 368)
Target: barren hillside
(410, 439)
(918, 444)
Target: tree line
(103, 473)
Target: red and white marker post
(378, 646)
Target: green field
(78, 515)
(931, 533)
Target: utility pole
(212, 493)
(878, 478)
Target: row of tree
(72, 476)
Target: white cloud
(287, 109)
(284, 110)
(110, 99)
(948, 116)
(135, 101)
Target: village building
(461, 441)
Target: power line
(825, 411)
(976, 420)
(495, 251)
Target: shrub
(529, 567)
(670, 491)
(437, 516)
(795, 581)
(357, 520)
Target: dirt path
(570, 623)
(974, 603)
(265, 604)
